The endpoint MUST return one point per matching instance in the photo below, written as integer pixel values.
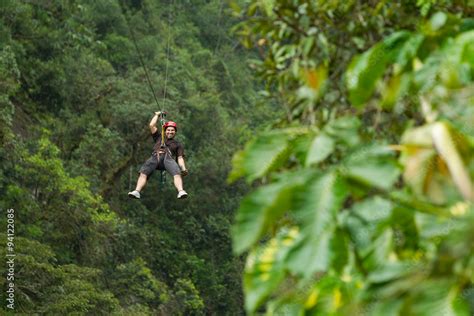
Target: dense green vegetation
(75, 107)
(365, 204)
(353, 128)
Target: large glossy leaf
(315, 209)
(372, 166)
(257, 157)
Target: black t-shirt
(175, 147)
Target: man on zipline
(169, 157)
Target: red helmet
(171, 124)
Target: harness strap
(162, 146)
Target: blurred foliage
(365, 197)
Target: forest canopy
(329, 145)
(75, 107)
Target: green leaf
(431, 226)
(433, 297)
(466, 41)
(267, 5)
(299, 147)
(366, 221)
(363, 73)
(375, 209)
(373, 166)
(378, 173)
(263, 154)
(339, 250)
(321, 147)
(344, 130)
(260, 209)
(408, 51)
(467, 24)
(315, 209)
(284, 309)
(379, 250)
(386, 308)
(391, 270)
(407, 200)
(366, 69)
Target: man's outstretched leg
(145, 171)
(141, 182)
(178, 183)
(173, 169)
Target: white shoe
(134, 194)
(182, 194)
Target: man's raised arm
(153, 122)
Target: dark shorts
(168, 164)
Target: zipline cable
(167, 54)
(140, 58)
(142, 62)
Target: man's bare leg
(178, 182)
(141, 182)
